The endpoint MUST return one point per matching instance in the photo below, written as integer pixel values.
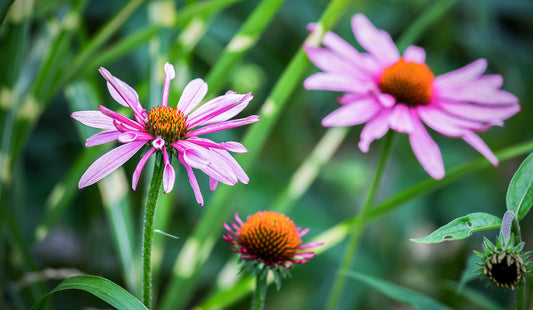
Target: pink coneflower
(270, 238)
(170, 130)
(389, 91)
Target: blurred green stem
(358, 225)
(148, 232)
(258, 300)
(521, 296)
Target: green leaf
(102, 288)
(520, 192)
(417, 300)
(462, 227)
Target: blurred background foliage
(46, 238)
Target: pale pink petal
(169, 175)
(329, 62)
(481, 95)
(139, 168)
(231, 146)
(337, 82)
(122, 92)
(465, 74)
(192, 181)
(476, 142)
(386, 100)
(376, 42)
(193, 93)
(352, 114)
(158, 143)
(223, 126)
(414, 54)
(233, 164)
(219, 109)
(426, 150)
(108, 163)
(374, 129)
(446, 123)
(400, 119)
(169, 75)
(131, 136)
(102, 137)
(114, 115)
(212, 184)
(93, 119)
(492, 114)
(349, 53)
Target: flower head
(504, 264)
(169, 130)
(269, 239)
(387, 90)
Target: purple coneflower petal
(219, 109)
(353, 113)
(122, 92)
(476, 142)
(93, 119)
(414, 54)
(213, 183)
(192, 181)
(233, 165)
(374, 129)
(135, 136)
(193, 93)
(400, 119)
(223, 126)
(376, 42)
(139, 168)
(337, 82)
(490, 114)
(426, 150)
(102, 138)
(331, 62)
(108, 163)
(169, 175)
(462, 75)
(122, 119)
(170, 74)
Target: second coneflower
(387, 90)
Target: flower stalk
(358, 225)
(259, 297)
(148, 230)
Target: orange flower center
(408, 82)
(168, 123)
(270, 236)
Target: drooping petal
(212, 184)
(139, 168)
(223, 126)
(377, 42)
(108, 163)
(400, 119)
(93, 119)
(476, 142)
(483, 113)
(102, 138)
(329, 62)
(353, 113)
(414, 54)
(170, 74)
(232, 164)
(447, 124)
(426, 150)
(231, 146)
(169, 175)
(374, 129)
(120, 118)
(192, 181)
(193, 93)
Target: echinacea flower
(170, 130)
(269, 238)
(389, 91)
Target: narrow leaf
(462, 227)
(102, 288)
(398, 293)
(520, 192)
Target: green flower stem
(521, 295)
(259, 297)
(148, 231)
(358, 225)
(186, 270)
